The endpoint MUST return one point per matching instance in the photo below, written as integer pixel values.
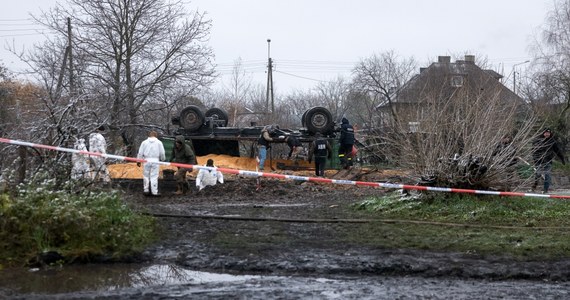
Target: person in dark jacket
(182, 153)
(295, 147)
(263, 143)
(544, 148)
(346, 142)
(268, 135)
(321, 150)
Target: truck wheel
(218, 114)
(319, 119)
(191, 118)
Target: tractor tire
(218, 114)
(319, 119)
(191, 118)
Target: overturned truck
(209, 134)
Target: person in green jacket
(182, 153)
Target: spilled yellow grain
(131, 171)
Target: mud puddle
(166, 281)
(107, 279)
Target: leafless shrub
(451, 136)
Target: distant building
(445, 86)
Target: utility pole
(71, 79)
(515, 75)
(269, 94)
(66, 56)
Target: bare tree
(300, 101)
(461, 114)
(551, 66)
(236, 93)
(126, 54)
(333, 95)
(377, 79)
(29, 115)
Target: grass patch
(76, 223)
(529, 237)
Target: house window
(457, 81)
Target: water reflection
(173, 282)
(106, 278)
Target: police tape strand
(290, 177)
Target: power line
(318, 62)
(302, 77)
(15, 20)
(22, 29)
(300, 63)
(23, 34)
(21, 24)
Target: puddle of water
(167, 281)
(262, 205)
(107, 278)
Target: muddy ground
(289, 227)
(298, 230)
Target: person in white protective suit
(98, 144)
(208, 177)
(80, 162)
(152, 151)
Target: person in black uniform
(322, 150)
(346, 142)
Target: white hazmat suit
(98, 144)
(152, 151)
(80, 169)
(208, 177)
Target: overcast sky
(318, 40)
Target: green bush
(77, 223)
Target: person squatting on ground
(80, 162)
(322, 150)
(295, 147)
(152, 151)
(182, 153)
(544, 148)
(208, 177)
(346, 142)
(98, 144)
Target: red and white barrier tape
(291, 177)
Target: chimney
(422, 69)
(444, 59)
(470, 59)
